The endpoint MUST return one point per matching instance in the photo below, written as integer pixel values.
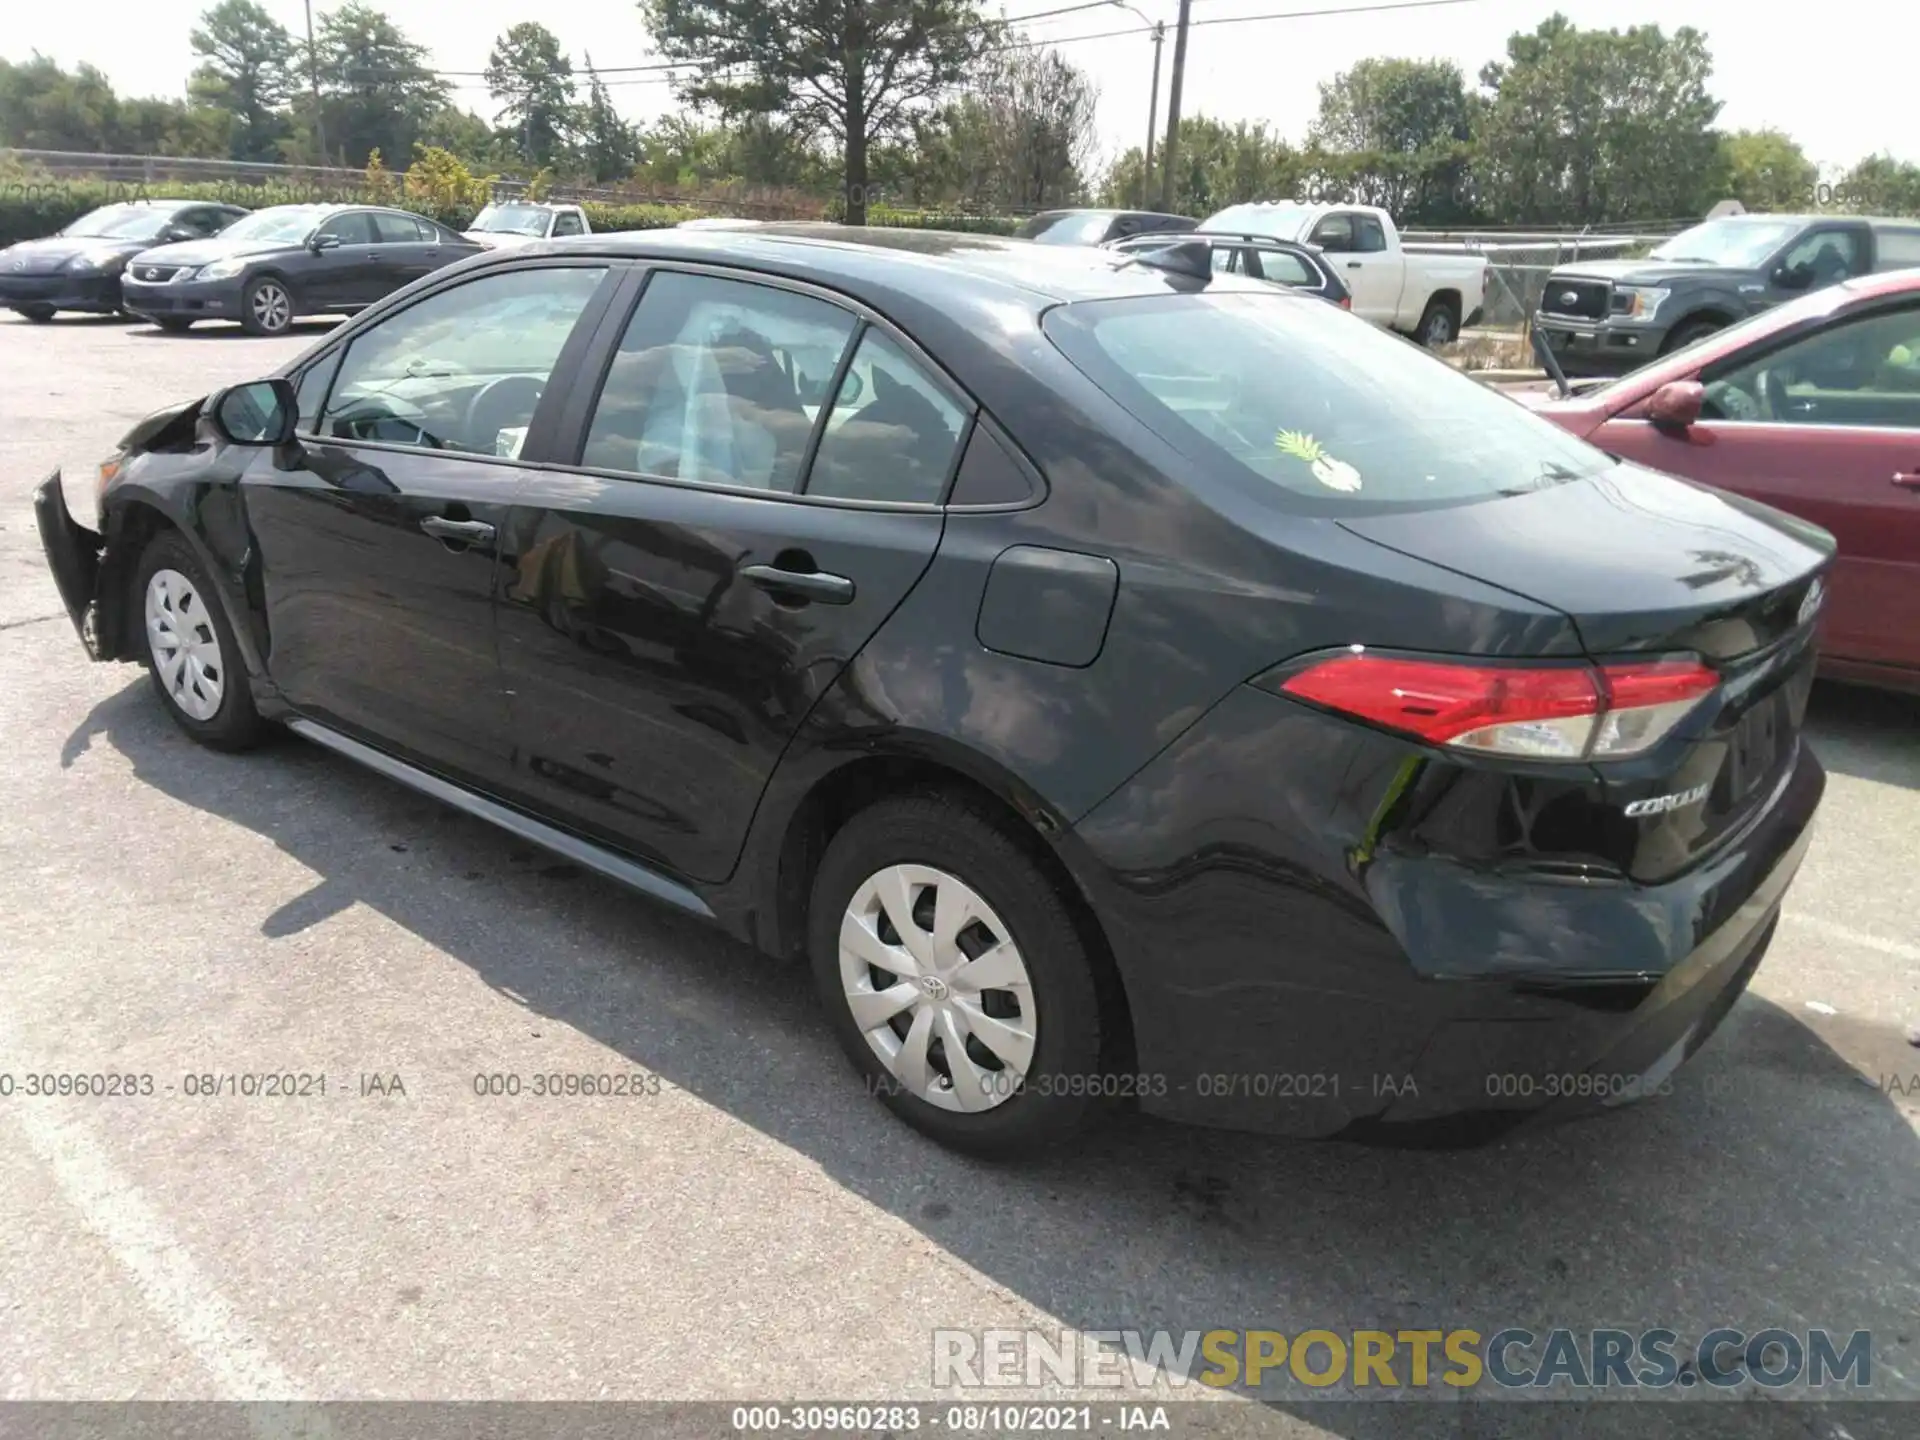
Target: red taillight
(1568, 712)
(1346, 302)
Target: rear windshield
(1075, 227)
(1315, 408)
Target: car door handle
(464, 532)
(1906, 481)
(813, 585)
(1353, 265)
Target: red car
(1813, 407)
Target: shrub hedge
(32, 208)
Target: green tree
(462, 134)
(1766, 170)
(1019, 137)
(1589, 126)
(247, 70)
(609, 146)
(1217, 165)
(532, 78)
(153, 126)
(376, 90)
(855, 71)
(1398, 134)
(42, 107)
(1882, 185)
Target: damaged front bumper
(73, 555)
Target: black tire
(1685, 334)
(1439, 323)
(173, 325)
(38, 314)
(235, 724)
(278, 319)
(965, 839)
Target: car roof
(938, 264)
(1908, 222)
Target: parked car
(1431, 297)
(1605, 317)
(1097, 227)
(78, 268)
(291, 260)
(1115, 684)
(1813, 407)
(518, 222)
(1280, 262)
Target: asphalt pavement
(746, 1223)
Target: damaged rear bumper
(73, 555)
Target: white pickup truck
(1426, 295)
(508, 223)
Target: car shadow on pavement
(230, 330)
(1868, 734)
(1774, 1186)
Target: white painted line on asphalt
(1854, 937)
(161, 1268)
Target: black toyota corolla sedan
(79, 268)
(1117, 683)
(291, 260)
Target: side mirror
(263, 412)
(1676, 405)
(174, 234)
(323, 242)
(1793, 277)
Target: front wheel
(1685, 335)
(955, 977)
(191, 652)
(266, 307)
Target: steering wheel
(500, 404)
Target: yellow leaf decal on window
(1332, 473)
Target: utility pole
(313, 80)
(1172, 150)
(1153, 112)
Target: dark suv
(1606, 317)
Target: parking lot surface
(759, 1228)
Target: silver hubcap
(271, 306)
(184, 645)
(938, 988)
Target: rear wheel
(1439, 324)
(39, 314)
(266, 306)
(190, 649)
(955, 978)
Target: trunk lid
(1647, 567)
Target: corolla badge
(1661, 804)
(1810, 603)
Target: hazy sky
(1813, 76)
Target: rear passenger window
(892, 433)
(1287, 268)
(718, 382)
(396, 229)
(462, 369)
(1898, 249)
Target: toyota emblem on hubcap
(935, 987)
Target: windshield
(1280, 221)
(1315, 407)
(282, 222)
(1738, 244)
(512, 220)
(120, 222)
